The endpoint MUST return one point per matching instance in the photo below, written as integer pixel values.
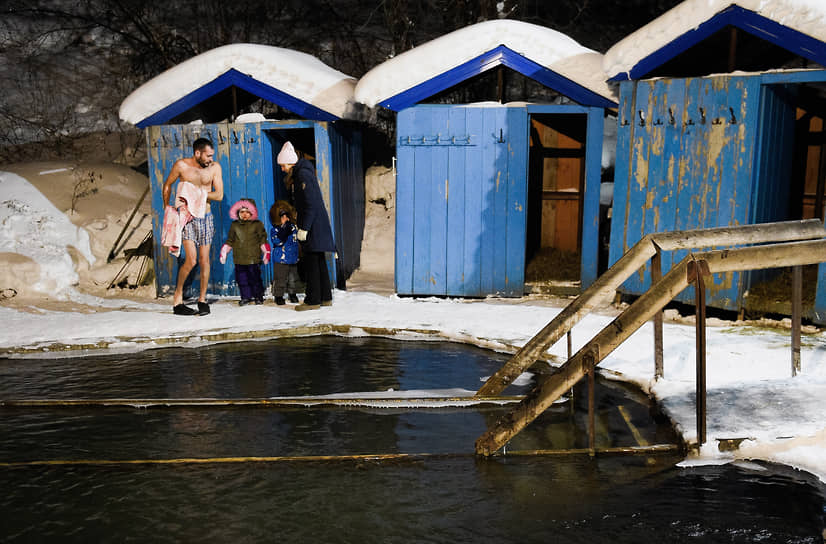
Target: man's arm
(174, 174)
(217, 192)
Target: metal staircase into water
(792, 243)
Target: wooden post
(234, 103)
(500, 84)
(732, 49)
(656, 275)
(797, 311)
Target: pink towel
(173, 227)
(193, 197)
(190, 201)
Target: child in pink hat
(247, 239)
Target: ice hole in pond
(447, 495)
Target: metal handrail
(687, 271)
(649, 247)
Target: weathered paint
(245, 153)
(704, 152)
(682, 149)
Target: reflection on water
(449, 498)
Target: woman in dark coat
(314, 230)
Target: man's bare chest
(197, 176)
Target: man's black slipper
(182, 309)
(203, 308)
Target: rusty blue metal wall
(245, 152)
(684, 149)
(703, 152)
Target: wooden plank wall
(461, 190)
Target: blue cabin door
(461, 191)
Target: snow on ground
(805, 16)
(751, 393)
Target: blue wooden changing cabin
(247, 152)
(696, 151)
(462, 185)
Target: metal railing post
(690, 270)
(696, 270)
(590, 362)
(797, 312)
(657, 275)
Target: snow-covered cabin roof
(542, 54)
(798, 26)
(296, 81)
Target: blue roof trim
(744, 19)
(227, 79)
(499, 55)
(803, 76)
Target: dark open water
(453, 497)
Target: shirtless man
(201, 171)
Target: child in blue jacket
(284, 238)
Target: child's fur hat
(247, 203)
(281, 206)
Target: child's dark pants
(248, 277)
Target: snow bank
(33, 227)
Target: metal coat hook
(658, 122)
(177, 142)
(671, 120)
(733, 119)
(164, 140)
(642, 117)
(501, 136)
(234, 137)
(702, 116)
